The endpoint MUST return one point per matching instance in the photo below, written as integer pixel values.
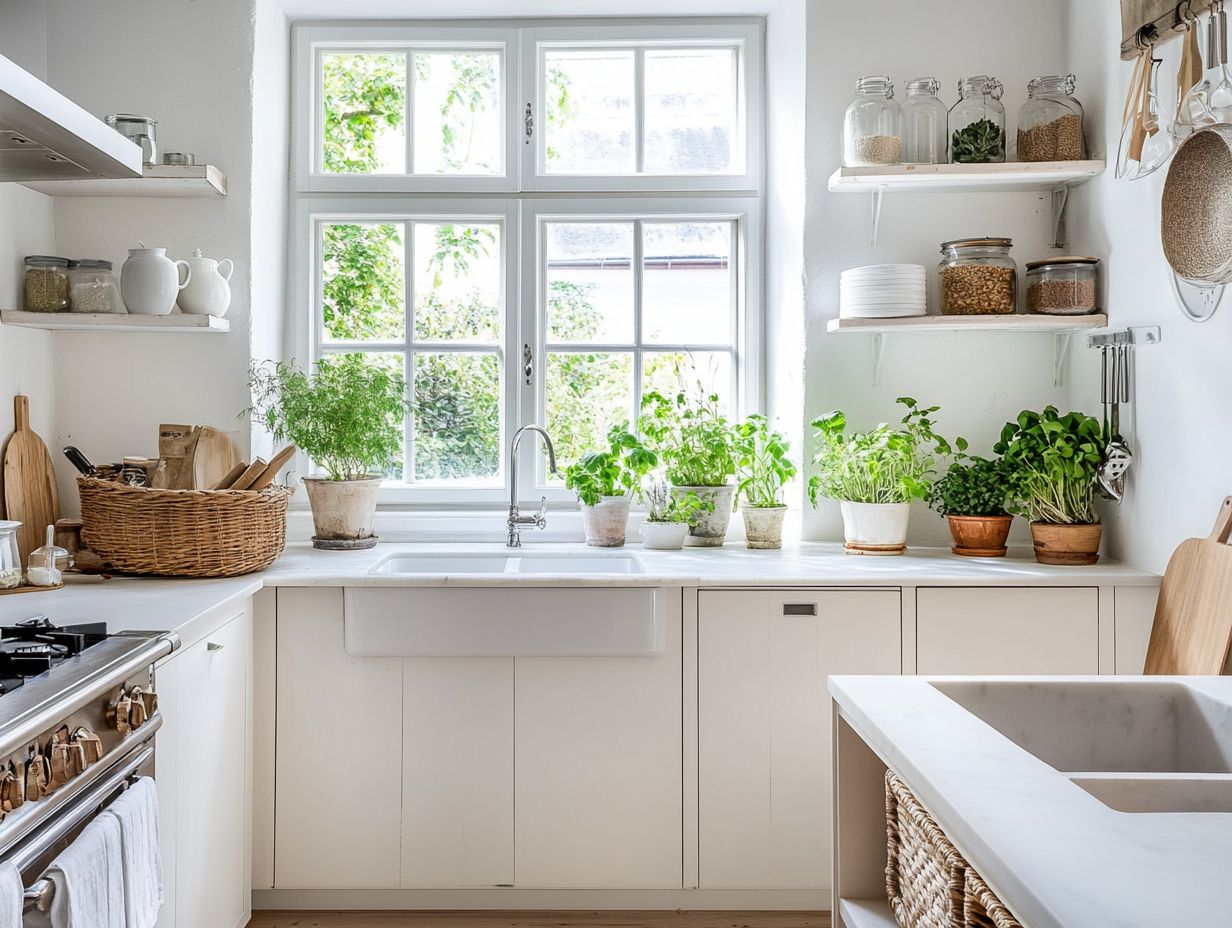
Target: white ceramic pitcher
(208, 290)
(150, 281)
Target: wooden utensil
(30, 494)
(232, 475)
(1192, 633)
(213, 456)
(247, 478)
(177, 445)
(277, 463)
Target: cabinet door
(764, 771)
(1135, 614)
(338, 769)
(599, 788)
(1020, 630)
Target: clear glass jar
(978, 277)
(873, 125)
(1050, 123)
(925, 123)
(43, 567)
(1062, 286)
(46, 284)
(977, 122)
(93, 287)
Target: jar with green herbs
(93, 287)
(977, 122)
(873, 125)
(925, 122)
(45, 284)
(978, 277)
(1050, 123)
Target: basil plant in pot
(347, 416)
(973, 495)
(668, 517)
(1054, 461)
(696, 444)
(876, 475)
(604, 482)
(762, 470)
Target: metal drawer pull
(799, 608)
(213, 646)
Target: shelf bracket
(1060, 354)
(1060, 196)
(875, 216)
(879, 340)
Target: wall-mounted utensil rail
(1153, 22)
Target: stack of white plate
(883, 291)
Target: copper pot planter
(980, 536)
(1066, 545)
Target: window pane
(457, 416)
(590, 126)
(363, 282)
(457, 113)
(587, 393)
(392, 362)
(687, 283)
(364, 103)
(589, 282)
(457, 282)
(693, 372)
(690, 110)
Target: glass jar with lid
(1050, 123)
(1063, 286)
(93, 287)
(45, 287)
(977, 122)
(978, 277)
(925, 122)
(873, 125)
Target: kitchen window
(533, 224)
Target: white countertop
(1057, 856)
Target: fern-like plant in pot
(347, 416)
(876, 475)
(973, 495)
(762, 470)
(604, 482)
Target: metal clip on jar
(873, 125)
(46, 284)
(925, 122)
(978, 277)
(1062, 286)
(977, 122)
(1050, 122)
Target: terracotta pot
(605, 522)
(875, 528)
(711, 527)
(664, 536)
(980, 536)
(1066, 545)
(342, 510)
(763, 526)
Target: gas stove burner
(35, 645)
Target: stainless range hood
(46, 136)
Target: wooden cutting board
(30, 494)
(213, 457)
(176, 445)
(1193, 620)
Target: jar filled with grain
(93, 287)
(45, 284)
(1062, 286)
(925, 121)
(1050, 123)
(977, 122)
(873, 125)
(978, 277)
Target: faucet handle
(541, 519)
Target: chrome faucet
(516, 519)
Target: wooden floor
(540, 920)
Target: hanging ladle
(1110, 478)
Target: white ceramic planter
(207, 292)
(711, 527)
(605, 522)
(763, 526)
(150, 281)
(875, 528)
(664, 536)
(342, 510)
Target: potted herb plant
(1053, 460)
(696, 444)
(762, 470)
(668, 517)
(604, 482)
(972, 495)
(348, 418)
(876, 475)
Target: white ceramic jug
(150, 281)
(208, 290)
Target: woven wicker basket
(924, 873)
(183, 533)
(981, 907)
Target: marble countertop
(1057, 856)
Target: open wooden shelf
(116, 322)
(162, 180)
(1019, 322)
(866, 913)
(1037, 175)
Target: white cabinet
(1135, 614)
(1007, 630)
(764, 769)
(203, 764)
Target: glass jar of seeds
(873, 125)
(1062, 286)
(925, 121)
(978, 277)
(1050, 123)
(977, 122)
(45, 284)
(93, 287)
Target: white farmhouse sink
(1161, 792)
(406, 564)
(409, 564)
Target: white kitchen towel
(88, 878)
(137, 811)
(10, 896)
